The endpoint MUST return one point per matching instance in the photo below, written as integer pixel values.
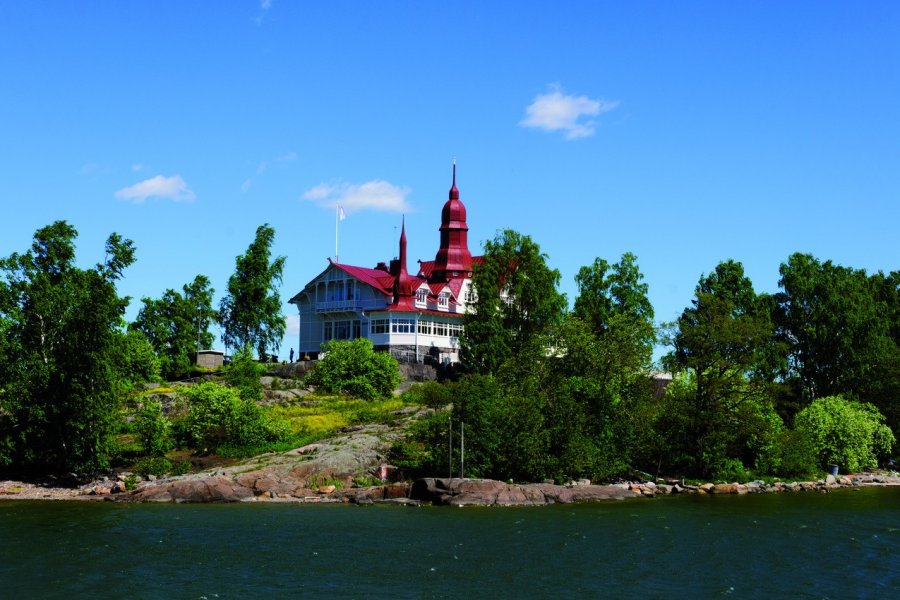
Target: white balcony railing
(347, 305)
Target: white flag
(341, 213)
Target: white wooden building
(411, 316)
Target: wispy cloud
(245, 187)
(374, 195)
(137, 167)
(173, 188)
(264, 6)
(557, 111)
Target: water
(844, 544)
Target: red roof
(378, 279)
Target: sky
(687, 133)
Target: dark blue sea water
(844, 544)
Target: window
(444, 300)
(422, 296)
(455, 329)
(440, 329)
(380, 326)
(425, 327)
(402, 325)
(328, 331)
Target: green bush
(155, 465)
(792, 455)
(243, 374)
(219, 417)
(134, 359)
(846, 433)
(153, 429)
(430, 393)
(355, 368)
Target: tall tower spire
(453, 257)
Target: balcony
(347, 305)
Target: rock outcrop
(487, 492)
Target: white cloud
(287, 157)
(556, 111)
(137, 167)
(173, 188)
(374, 195)
(245, 187)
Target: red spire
(453, 256)
(454, 193)
(403, 284)
(403, 246)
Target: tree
(841, 327)
(251, 311)
(353, 366)
(177, 324)
(518, 306)
(57, 389)
(603, 294)
(724, 339)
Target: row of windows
(341, 330)
(397, 325)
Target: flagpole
(337, 210)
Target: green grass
(325, 415)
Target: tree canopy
(250, 313)
(517, 307)
(177, 324)
(842, 329)
(59, 325)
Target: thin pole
(462, 451)
(337, 210)
(451, 448)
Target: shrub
(153, 429)
(850, 434)
(134, 359)
(792, 455)
(355, 368)
(243, 374)
(156, 465)
(430, 394)
(218, 416)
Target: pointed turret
(403, 283)
(453, 257)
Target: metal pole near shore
(450, 456)
(462, 451)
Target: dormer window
(444, 300)
(421, 296)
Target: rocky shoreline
(269, 486)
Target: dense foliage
(353, 366)
(177, 325)
(219, 418)
(250, 313)
(580, 398)
(517, 304)
(849, 434)
(58, 333)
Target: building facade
(416, 318)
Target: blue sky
(687, 133)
